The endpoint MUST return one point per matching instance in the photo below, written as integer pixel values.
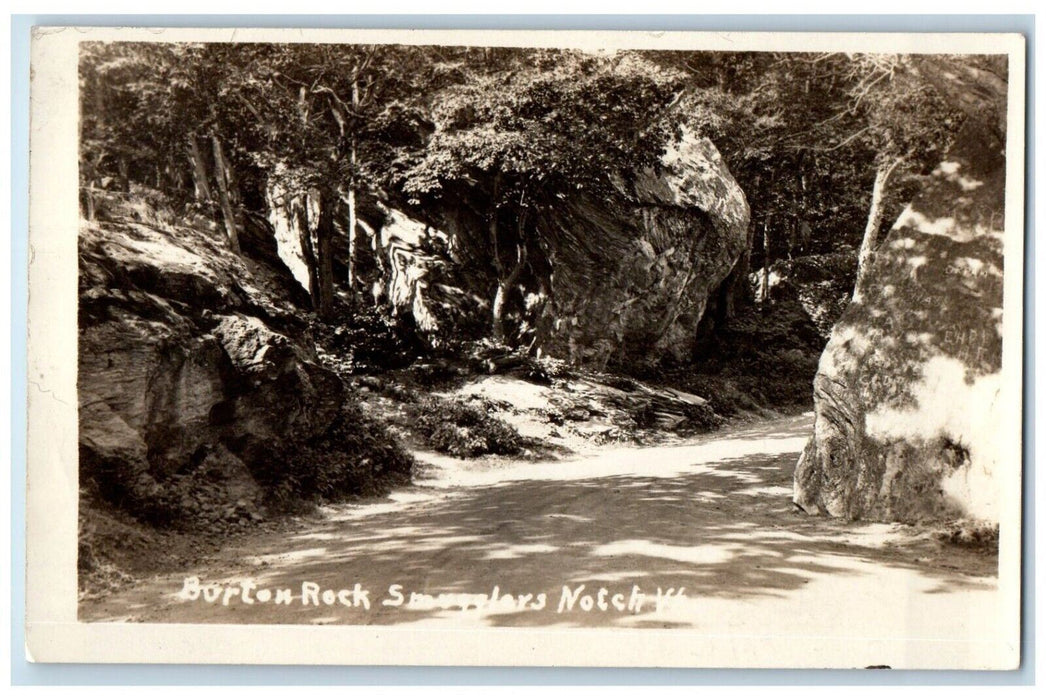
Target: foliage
(972, 534)
(355, 456)
(505, 134)
(762, 359)
(804, 133)
(463, 429)
(553, 122)
(135, 102)
(366, 340)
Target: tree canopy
(825, 146)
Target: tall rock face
(629, 276)
(284, 212)
(632, 277)
(197, 374)
(907, 390)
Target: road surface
(700, 536)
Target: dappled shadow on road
(723, 531)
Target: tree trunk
(875, 215)
(124, 168)
(321, 227)
(352, 190)
(498, 313)
(374, 237)
(497, 309)
(170, 181)
(201, 189)
(225, 197)
(299, 211)
(351, 203)
(543, 321)
(766, 258)
(88, 198)
(501, 295)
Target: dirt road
(701, 535)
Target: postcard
(538, 348)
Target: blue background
(24, 673)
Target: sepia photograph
(674, 351)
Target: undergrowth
(760, 360)
(463, 429)
(355, 457)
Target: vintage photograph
(459, 336)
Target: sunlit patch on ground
(699, 554)
(519, 550)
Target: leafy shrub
(702, 419)
(355, 456)
(436, 373)
(463, 429)
(369, 340)
(725, 395)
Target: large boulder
(633, 275)
(418, 276)
(907, 389)
(628, 276)
(191, 359)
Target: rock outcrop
(628, 276)
(632, 277)
(907, 389)
(197, 374)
